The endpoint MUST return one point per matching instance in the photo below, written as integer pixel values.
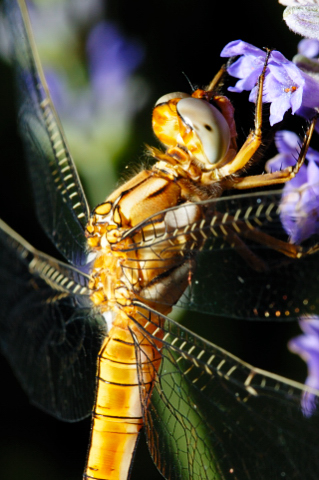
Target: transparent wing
(212, 416)
(48, 330)
(61, 205)
(234, 267)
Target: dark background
(179, 36)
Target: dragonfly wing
(61, 204)
(212, 416)
(48, 330)
(285, 289)
(232, 272)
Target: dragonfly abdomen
(127, 368)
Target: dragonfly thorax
(191, 122)
(122, 271)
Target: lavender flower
(285, 87)
(308, 47)
(307, 346)
(111, 61)
(299, 211)
(96, 100)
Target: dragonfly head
(195, 124)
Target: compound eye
(209, 125)
(171, 96)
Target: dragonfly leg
(245, 252)
(274, 178)
(235, 230)
(217, 80)
(289, 249)
(253, 140)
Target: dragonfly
(90, 335)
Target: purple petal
(297, 183)
(309, 47)
(245, 66)
(247, 83)
(287, 87)
(238, 47)
(283, 89)
(313, 173)
(288, 74)
(277, 58)
(307, 347)
(278, 108)
(300, 201)
(109, 51)
(300, 204)
(310, 97)
(111, 61)
(287, 142)
(253, 94)
(279, 162)
(288, 146)
(313, 155)
(296, 98)
(310, 195)
(308, 114)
